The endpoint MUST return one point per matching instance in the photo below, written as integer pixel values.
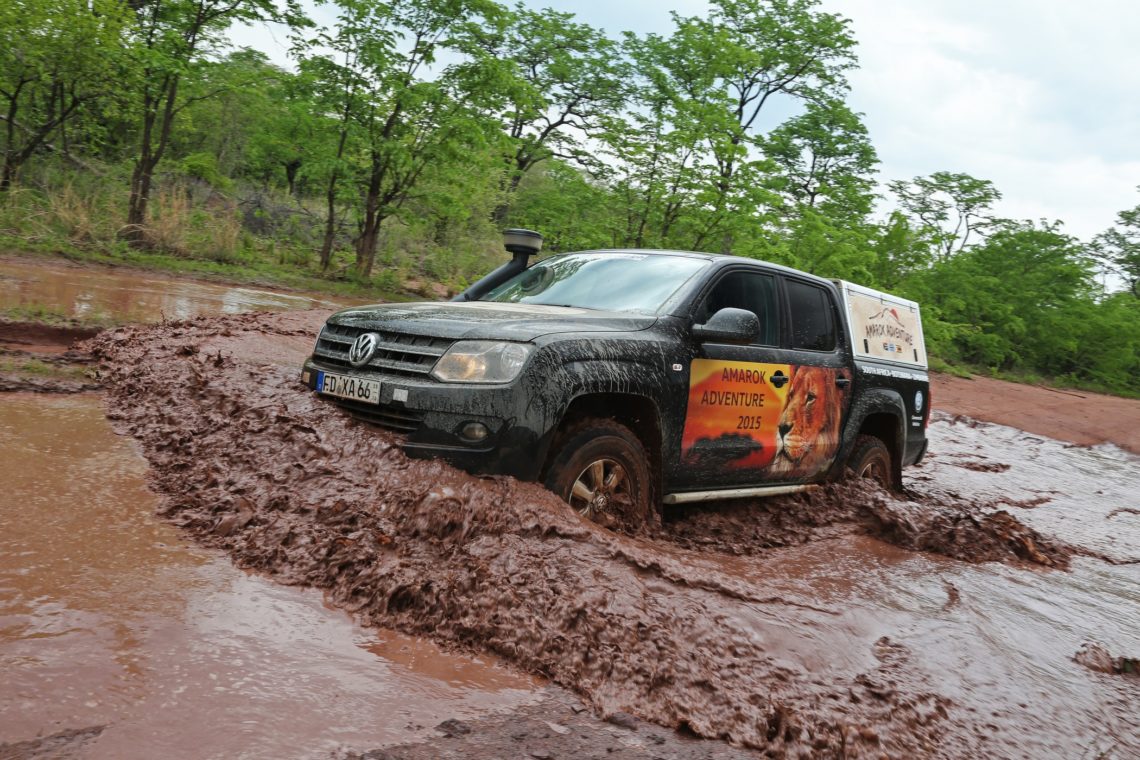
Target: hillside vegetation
(407, 134)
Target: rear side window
(813, 326)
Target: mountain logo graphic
(892, 313)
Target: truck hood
(485, 320)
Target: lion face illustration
(808, 434)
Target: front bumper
(431, 415)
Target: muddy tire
(871, 459)
(601, 470)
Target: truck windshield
(606, 281)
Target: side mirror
(729, 326)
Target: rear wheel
(871, 459)
(602, 472)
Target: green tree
(1106, 350)
(56, 56)
(257, 125)
(1010, 302)
(173, 39)
(951, 208)
(570, 78)
(1118, 248)
(824, 245)
(407, 116)
(720, 72)
(825, 160)
(899, 250)
(338, 83)
(653, 179)
(287, 135)
(573, 211)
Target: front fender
(574, 380)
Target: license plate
(354, 388)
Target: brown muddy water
(124, 295)
(109, 618)
(824, 634)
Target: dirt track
(674, 628)
(1080, 417)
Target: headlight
(482, 361)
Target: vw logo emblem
(361, 350)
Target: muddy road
(992, 612)
(823, 633)
(113, 624)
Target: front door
(770, 411)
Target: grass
(1070, 383)
(250, 272)
(197, 231)
(40, 369)
(940, 365)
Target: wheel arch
(637, 411)
(882, 414)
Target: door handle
(842, 381)
(779, 378)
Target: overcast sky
(1042, 97)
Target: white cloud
(1037, 97)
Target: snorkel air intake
(522, 244)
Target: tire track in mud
(248, 460)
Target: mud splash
(932, 521)
(248, 461)
(1095, 657)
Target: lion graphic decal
(807, 435)
(778, 421)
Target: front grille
(396, 354)
(386, 416)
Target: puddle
(786, 627)
(109, 618)
(123, 295)
(1065, 490)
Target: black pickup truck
(623, 379)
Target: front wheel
(871, 459)
(601, 470)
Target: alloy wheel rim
(601, 486)
(875, 470)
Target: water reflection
(125, 295)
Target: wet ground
(1076, 416)
(90, 293)
(828, 635)
(111, 621)
(46, 307)
(994, 612)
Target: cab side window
(752, 292)
(813, 323)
